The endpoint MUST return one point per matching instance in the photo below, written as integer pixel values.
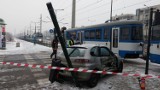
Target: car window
(76, 52)
(95, 51)
(104, 51)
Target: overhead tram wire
(91, 4)
(132, 5)
(95, 3)
(113, 10)
(82, 7)
(100, 14)
(85, 6)
(92, 9)
(69, 6)
(62, 4)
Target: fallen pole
(61, 39)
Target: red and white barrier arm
(78, 70)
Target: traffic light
(157, 18)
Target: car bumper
(81, 76)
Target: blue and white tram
(155, 45)
(126, 37)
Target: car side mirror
(92, 53)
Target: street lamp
(111, 10)
(111, 30)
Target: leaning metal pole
(61, 39)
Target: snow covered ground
(25, 48)
(109, 82)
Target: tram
(155, 45)
(39, 37)
(122, 37)
(36, 37)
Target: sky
(20, 15)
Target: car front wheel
(120, 68)
(92, 82)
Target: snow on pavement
(25, 48)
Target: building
(123, 17)
(142, 15)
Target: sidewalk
(25, 48)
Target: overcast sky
(20, 14)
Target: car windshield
(76, 51)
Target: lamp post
(111, 28)
(73, 13)
(111, 10)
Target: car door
(95, 55)
(106, 58)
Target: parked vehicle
(91, 57)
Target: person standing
(54, 47)
(71, 42)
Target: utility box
(17, 44)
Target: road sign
(51, 31)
